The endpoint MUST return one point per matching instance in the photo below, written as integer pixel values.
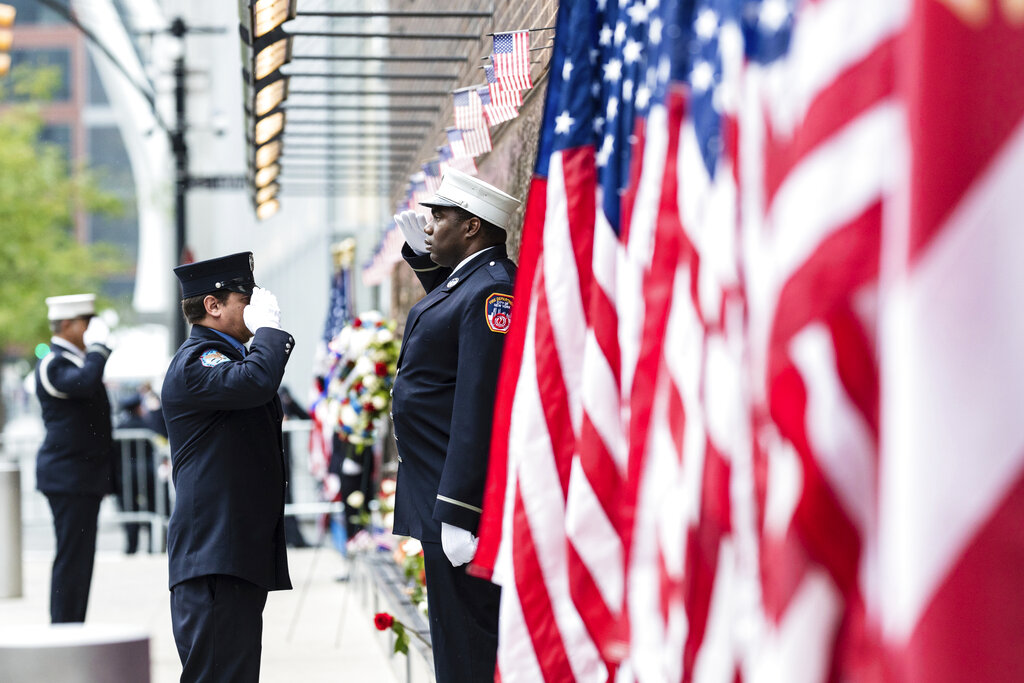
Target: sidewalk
(319, 631)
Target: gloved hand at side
(459, 544)
(262, 311)
(96, 333)
(411, 225)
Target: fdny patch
(498, 310)
(213, 357)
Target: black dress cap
(233, 273)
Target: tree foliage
(40, 196)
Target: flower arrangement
(359, 381)
(408, 555)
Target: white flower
(379, 402)
(348, 415)
(356, 499)
(384, 335)
(411, 546)
(370, 383)
(388, 486)
(364, 366)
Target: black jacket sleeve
(429, 273)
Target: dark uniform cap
(233, 273)
(130, 402)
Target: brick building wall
(509, 165)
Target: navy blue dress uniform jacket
(224, 426)
(76, 456)
(443, 397)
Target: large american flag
(756, 415)
(511, 60)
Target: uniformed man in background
(74, 466)
(226, 543)
(443, 403)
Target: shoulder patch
(212, 357)
(498, 311)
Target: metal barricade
(143, 486)
(303, 488)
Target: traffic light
(7, 13)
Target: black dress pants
(74, 524)
(218, 627)
(463, 620)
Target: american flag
(432, 175)
(418, 186)
(388, 252)
(495, 113)
(499, 92)
(755, 419)
(339, 305)
(511, 60)
(469, 112)
(469, 143)
(447, 159)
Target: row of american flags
(476, 109)
(758, 412)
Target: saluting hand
(98, 332)
(412, 225)
(262, 311)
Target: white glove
(458, 544)
(262, 311)
(412, 224)
(96, 333)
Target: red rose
(383, 621)
(357, 387)
(381, 369)
(368, 407)
(357, 323)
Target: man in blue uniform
(74, 466)
(225, 544)
(443, 402)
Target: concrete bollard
(10, 530)
(74, 653)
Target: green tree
(39, 198)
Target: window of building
(59, 58)
(32, 12)
(108, 160)
(96, 94)
(60, 135)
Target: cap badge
(252, 264)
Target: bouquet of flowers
(365, 355)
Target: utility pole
(180, 151)
(183, 180)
